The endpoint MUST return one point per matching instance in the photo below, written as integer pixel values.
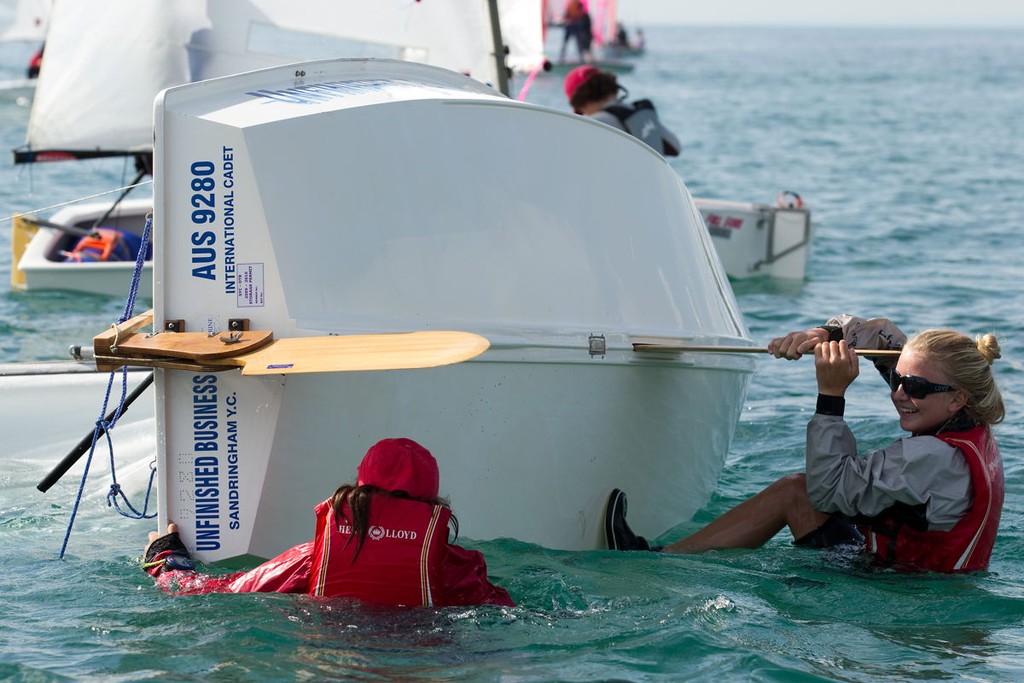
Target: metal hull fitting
(369, 196)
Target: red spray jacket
(406, 559)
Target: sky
(924, 13)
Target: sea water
(905, 144)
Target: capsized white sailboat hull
(362, 196)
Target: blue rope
(88, 462)
(104, 427)
(116, 492)
(140, 260)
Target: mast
(500, 68)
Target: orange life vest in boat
(105, 244)
(968, 545)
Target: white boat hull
(49, 407)
(54, 404)
(355, 196)
(42, 266)
(528, 448)
(757, 240)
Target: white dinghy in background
(41, 248)
(755, 240)
(367, 196)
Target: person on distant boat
(384, 540)
(597, 94)
(35, 63)
(579, 29)
(621, 37)
(928, 502)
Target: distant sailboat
(30, 20)
(29, 24)
(95, 98)
(604, 25)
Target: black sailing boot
(617, 531)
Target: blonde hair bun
(988, 345)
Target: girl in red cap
(596, 94)
(382, 540)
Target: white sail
(96, 90)
(452, 35)
(29, 23)
(522, 31)
(604, 20)
(104, 63)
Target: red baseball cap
(401, 465)
(574, 79)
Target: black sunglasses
(916, 387)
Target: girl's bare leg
(756, 520)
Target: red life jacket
(400, 561)
(968, 545)
(405, 560)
